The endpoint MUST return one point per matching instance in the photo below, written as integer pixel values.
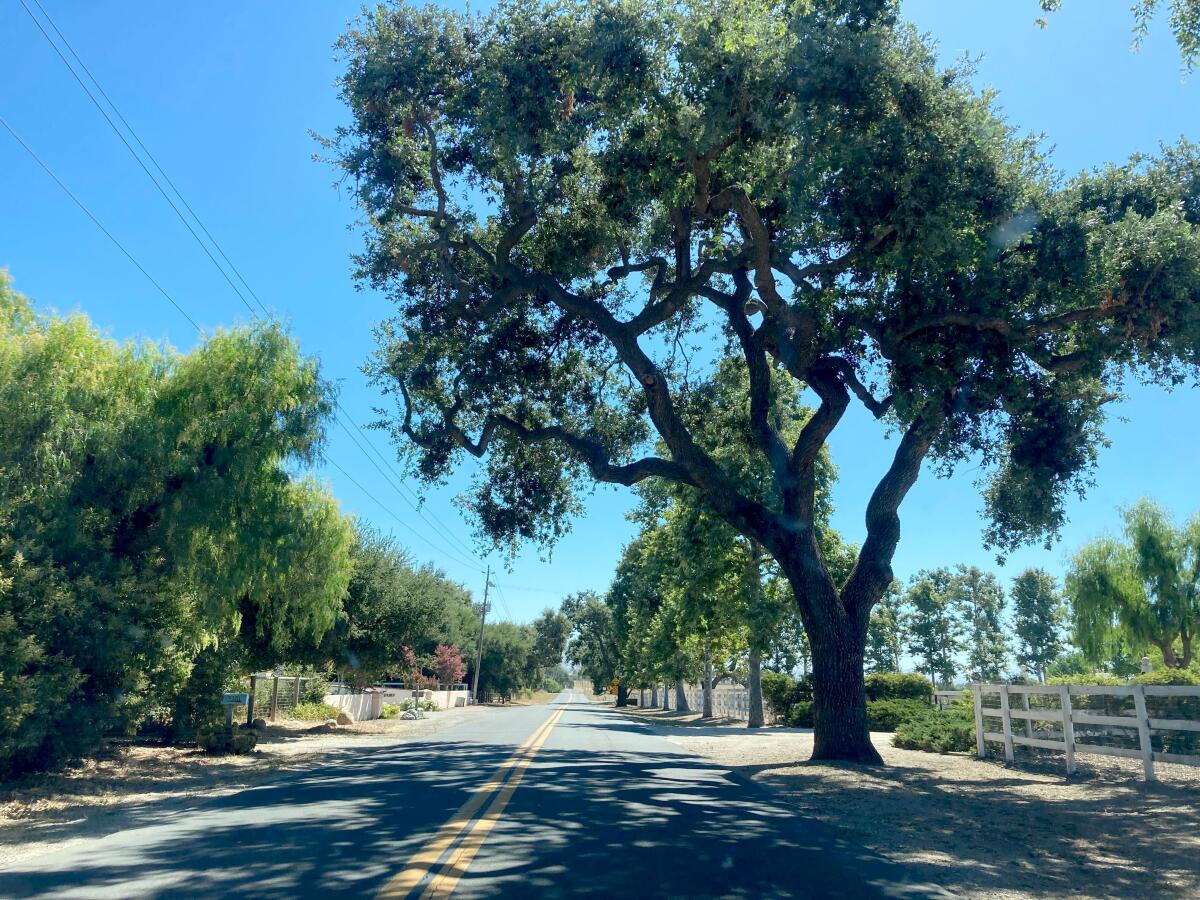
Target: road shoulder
(48, 813)
(982, 829)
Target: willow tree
(1141, 593)
(563, 198)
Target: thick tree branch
(591, 452)
(759, 372)
(872, 571)
(877, 408)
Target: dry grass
(979, 828)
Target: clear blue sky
(225, 94)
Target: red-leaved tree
(448, 664)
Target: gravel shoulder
(43, 813)
(977, 827)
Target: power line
(403, 524)
(129, 147)
(100, 225)
(146, 150)
(440, 528)
(108, 234)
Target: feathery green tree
(1141, 593)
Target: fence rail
(1135, 727)
(729, 701)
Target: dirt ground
(977, 827)
(40, 812)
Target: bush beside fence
(1150, 722)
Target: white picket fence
(730, 701)
(1056, 706)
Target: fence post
(250, 704)
(1064, 695)
(1143, 722)
(274, 696)
(978, 692)
(296, 693)
(1004, 711)
(1028, 722)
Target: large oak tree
(562, 198)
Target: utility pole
(487, 583)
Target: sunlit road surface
(563, 800)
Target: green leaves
(1142, 593)
(146, 516)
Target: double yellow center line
(465, 825)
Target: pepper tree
(555, 193)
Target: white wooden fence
(1057, 706)
(730, 701)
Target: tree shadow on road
(581, 824)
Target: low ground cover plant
(314, 712)
(887, 715)
(949, 730)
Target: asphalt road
(565, 800)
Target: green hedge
(799, 715)
(886, 715)
(314, 712)
(1182, 677)
(898, 686)
(938, 731)
(781, 692)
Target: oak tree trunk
(654, 695)
(840, 700)
(666, 696)
(622, 695)
(681, 703)
(754, 684)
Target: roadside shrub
(781, 692)
(427, 705)
(799, 715)
(1167, 741)
(315, 689)
(197, 707)
(389, 711)
(886, 715)
(1182, 677)
(551, 686)
(938, 731)
(898, 686)
(777, 690)
(218, 740)
(314, 712)
(1100, 678)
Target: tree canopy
(1142, 593)
(560, 196)
(147, 516)
(1038, 616)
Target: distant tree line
(1122, 600)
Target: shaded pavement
(604, 808)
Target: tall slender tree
(980, 601)
(935, 632)
(1038, 617)
(886, 633)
